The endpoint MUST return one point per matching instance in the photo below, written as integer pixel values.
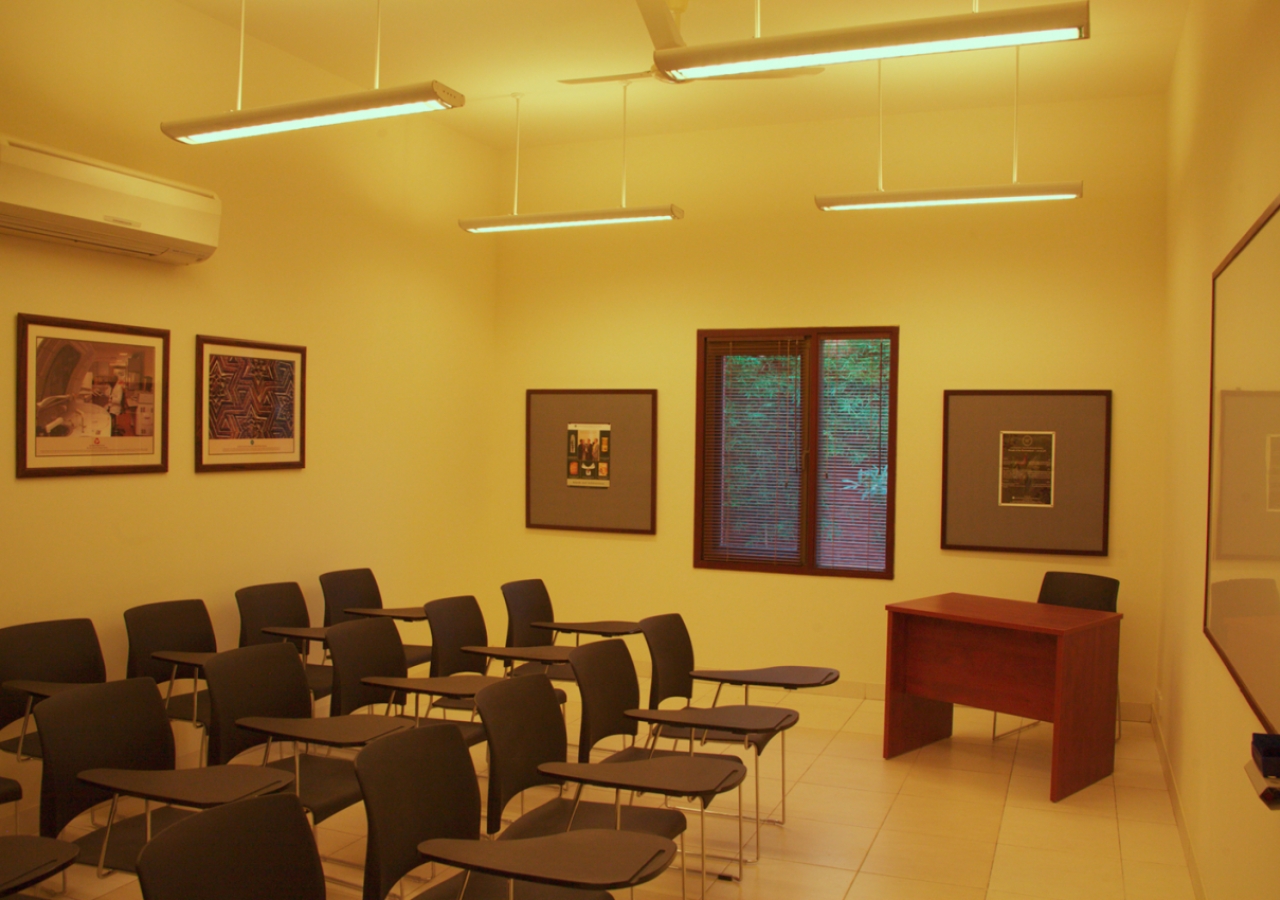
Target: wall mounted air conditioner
(57, 196)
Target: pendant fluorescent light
(1014, 192)
(374, 104)
(974, 31)
(537, 221)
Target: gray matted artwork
(1059, 505)
(626, 446)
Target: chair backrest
(256, 849)
(527, 602)
(263, 680)
(114, 725)
(168, 625)
(672, 655)
(279, 604)
(522, 719)
(608, 685)
(360, 649)
(348, 589)
(417, 785)
(63, 650)
(456, 622)
(1080, 590)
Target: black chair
(256, 849)
(171, 625)
(528, 602)
(57, 654)
(525, 730)
(420, 785)
(104, 741)
(280, 604)
(269, 680)
(456, 622)
(11, 792)
(358, 589)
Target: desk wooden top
(999, 613)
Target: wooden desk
(1053, 663)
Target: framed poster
(251, 405)
(1026, 471)
(93, 398)
(604, 441)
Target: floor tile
(1060, 830)
(957, 784)
(1032, 792)
(823, 803)
(869, 718)
(923, 857)
(1144, 805)
(870, 886)
(818, 843)
(886, 775)
(857, 745)
(1153, 842)
(1142, 773)
(945, 818)
(1056, 874)
(1152, 881)
(969, 755)
(777, 879)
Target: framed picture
(1026, 471)
(251, 405)
(93, 398)
(605, 441)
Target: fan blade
(661, 23)
(602, 79)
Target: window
(796, 440)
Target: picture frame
(603, 440)
(92, 398)
(251, 405)
(1026, 471)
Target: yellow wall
(342, 240)
(1049, 296)
(1224, 143)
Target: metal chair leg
(103, 872)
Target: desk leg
(909, 721)
(1083, 731)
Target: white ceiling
(489, 49)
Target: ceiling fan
(662, 18)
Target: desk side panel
(910, 720)
(1084, 747)
(1008, 670)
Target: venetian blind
(753, 451)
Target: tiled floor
(963, 819)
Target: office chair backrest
(608, 685)
(672, 655)
(115, 725)
(456, 622)
(522, 718)
(528, 602)
(417, 785)
(278, 604)
(1080, 590)
(362, 649)
(348, 589)
(256, 849)
(263, 680)
(168, 625)
(63, 650)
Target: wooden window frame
(809, 511)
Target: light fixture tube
(974, 31)
(534, 221)
(377, 104)
(1002, 193)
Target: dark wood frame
(200, 412)
(653, 451)
(25, 322)
(1267, 215)
(1106, 474)
(808, 525)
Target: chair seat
(319, 679)
(327, 784)
(491, 887)
(10, 790)
(553, 818)
(179, 708)
(416, 655)
(128, 837)
(30, 745)
(555, 671)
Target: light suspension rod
(972, 31)
(536, 221)
(376, 104)
(1003, 193)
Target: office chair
(281, 603)
(528, 602)
(171, 625)
(357, 588)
